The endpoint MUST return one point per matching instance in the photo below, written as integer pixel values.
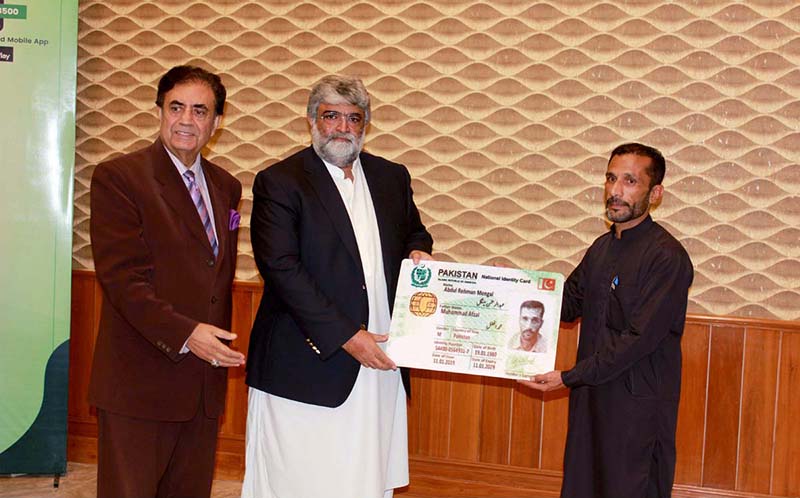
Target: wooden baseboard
(440, 478)
(683, 491)
(230, 458)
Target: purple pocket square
(233, 220)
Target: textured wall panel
(504, 111)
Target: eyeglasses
(355, 119)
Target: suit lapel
(175, 193)
(329, 196)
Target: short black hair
(658, 166)
(185, 74)
(532, 305)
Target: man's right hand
(364, 348)
(549, 381)
(206, 344)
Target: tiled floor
(79, 482)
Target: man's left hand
(549, 381)
(417, 256)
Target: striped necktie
(197, 198)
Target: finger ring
(214, 363)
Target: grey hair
(335, 90)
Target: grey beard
(337, 153)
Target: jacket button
(363, 287)
(213, 299)
(210, 262)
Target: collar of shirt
(199, 179)
(196, 167)
(337, 173)
(634, 232)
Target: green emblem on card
(420, 276)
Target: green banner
(13, 11)
(38, 57)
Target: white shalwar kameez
(358, 449)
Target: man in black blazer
(330, 227)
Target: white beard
(334, 151)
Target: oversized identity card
(473, 319)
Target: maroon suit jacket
(159, 279)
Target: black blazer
(315, 296)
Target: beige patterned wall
(504, 111)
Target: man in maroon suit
(163, 229)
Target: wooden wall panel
(230, 452)
(526, 427)
(734, 369)
(722, 428)
(689, 438)
(413, 416)
(556, 404)
(465, 417)
(81, 346)
(759, 392)
(786, 459)
(431, 400)
(495, 429)
(233, 421)
(82, 418)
